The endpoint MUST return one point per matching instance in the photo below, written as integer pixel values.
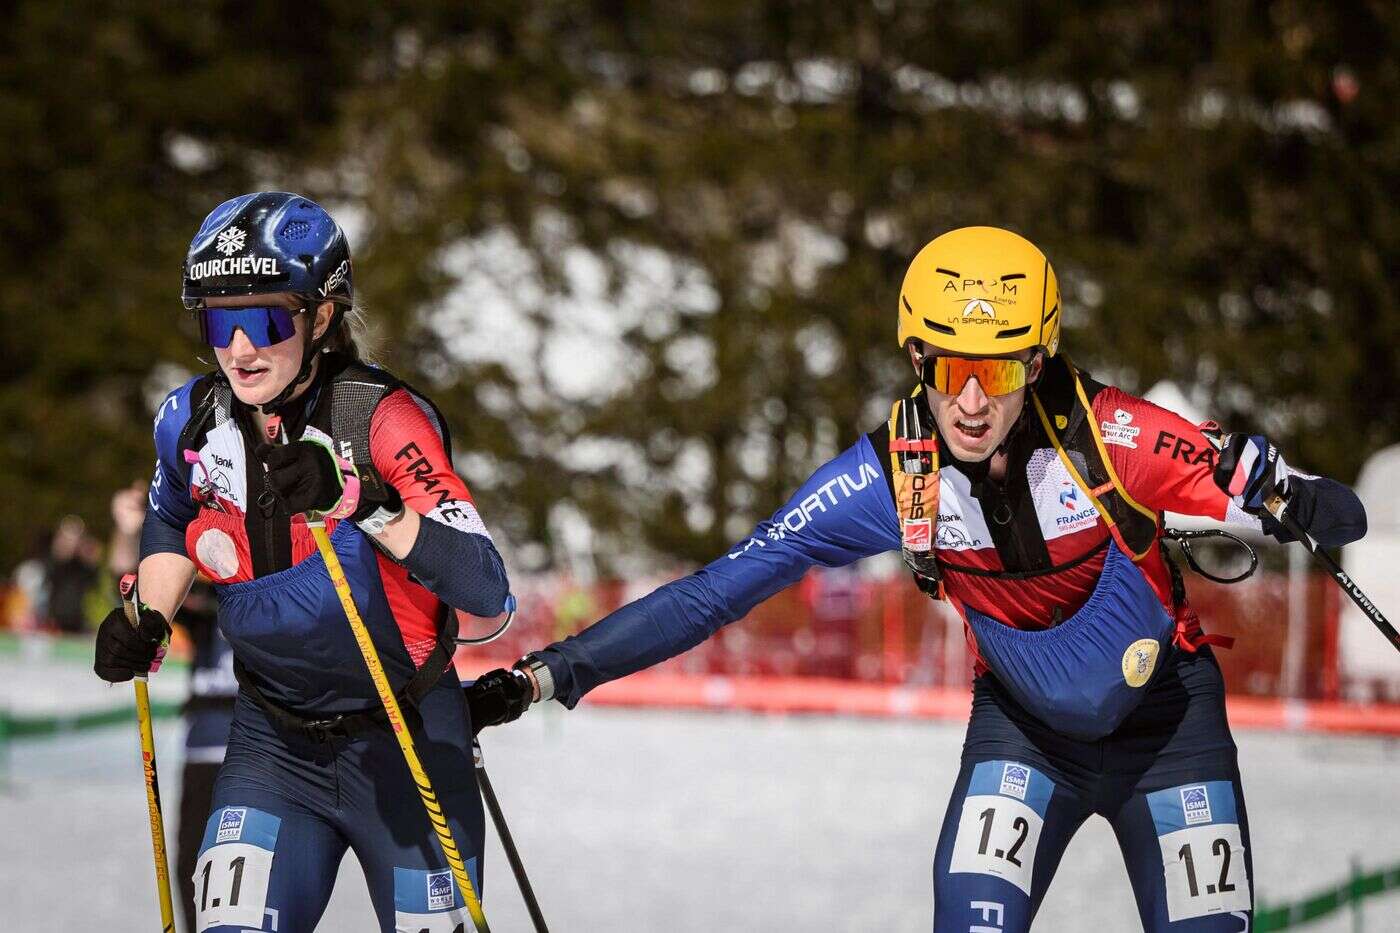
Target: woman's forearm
(162, 581)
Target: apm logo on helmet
(981, 310)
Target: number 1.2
(1220, 847)
(1019, 824)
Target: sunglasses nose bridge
(239, 342)
(971, 396)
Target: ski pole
(391, 709)
(127, 587)
(507, 843)
(1277, 506)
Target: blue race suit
(311, 768)
(1030, 556)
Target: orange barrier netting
(839, 642)
(783, 695)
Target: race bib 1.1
(234, 868)
(429, 901)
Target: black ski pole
(1278, 508)
(507, 843)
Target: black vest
(342, 403)
(1058, 414)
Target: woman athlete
(1030, 496)
(312, 768)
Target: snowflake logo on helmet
(230, 241)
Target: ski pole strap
(1184, 539)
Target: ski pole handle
(1277, 506)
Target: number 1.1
(237, 867)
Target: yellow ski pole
(391, 708)
(148, 761)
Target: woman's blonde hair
(353, 337)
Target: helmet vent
(1013, 332)
(294, 230)
(942, 328)
(1051, 314)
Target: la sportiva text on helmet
(981, 291)
(268, 242)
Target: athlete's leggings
(1167, 781)
(286, 809)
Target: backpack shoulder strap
(212, 404)
(913, 473)
(1066, 416)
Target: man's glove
(498, 697)
(125, 650)
(1250, 471)
(305, 477)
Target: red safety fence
(839, 642)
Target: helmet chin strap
(308, 358)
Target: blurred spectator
(26, 600)
(70, 575)
(128, 514)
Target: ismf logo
(230, 241)
(918, 534)
(1015, 779)
(440, 893)
(231, 825)
(1195, 804)
(1068, 498)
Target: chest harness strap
(1065, 416)
(349, 725)
(355, 392)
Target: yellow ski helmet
(981, 291)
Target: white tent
(1368, 666)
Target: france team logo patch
(231, 825)
(1015, 779)
(1195, 804)
(440, 890)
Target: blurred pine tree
(1214, 182)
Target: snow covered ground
(664, 821)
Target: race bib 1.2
(1202, 849)
(1002, 816)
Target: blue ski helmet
(266, 242)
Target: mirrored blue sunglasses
(263, 325)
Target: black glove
(305, 478)
(125, 650)
(302, 475)
(498, 697)
(1250, 471)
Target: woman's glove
(498, 697)
(125, 650)
(306, 477)
(1250, 471)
